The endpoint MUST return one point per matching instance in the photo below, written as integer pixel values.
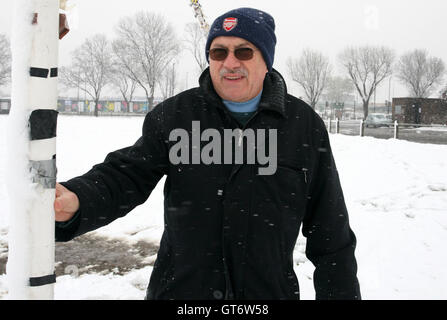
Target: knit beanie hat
(253, 25)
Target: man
(230, 228)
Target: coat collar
(273, 95)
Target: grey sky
(326, 25)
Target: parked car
(376, 120)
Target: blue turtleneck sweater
(243, 111)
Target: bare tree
(195, 39)
(168, 82)
(5, 60)
(91, 66)
(121, 80)
(420, 73)
(367, 67)
(311, 71)
(145, 47)
(338, 89)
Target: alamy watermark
(188, 150)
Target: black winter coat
(230, 232)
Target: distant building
(420, 110)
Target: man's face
(233, 79)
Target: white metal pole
(396, 130)
(30, 267)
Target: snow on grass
(442, 129)
(396, 193)
(130, 286)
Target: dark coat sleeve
(124, 180)
(330, 240)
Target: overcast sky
(326, 25)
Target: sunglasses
(220, 54)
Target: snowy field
(396, 193)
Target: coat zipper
(250, 202)
(305, 174)
(239, 144)
(240, 136)
(229, 294)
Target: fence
(405, 131)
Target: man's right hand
(66, 203)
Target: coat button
(218, 294)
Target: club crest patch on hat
(229, 24)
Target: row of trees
(142, 55)
(365, 68)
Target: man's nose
(231, 62)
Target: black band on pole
(43, 124)
(53, 72)
(39, 72)
(42, 281)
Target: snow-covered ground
(396, 193)
(432, 128)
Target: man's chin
(235, 98)
(236, 94)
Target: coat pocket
(297, 169)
